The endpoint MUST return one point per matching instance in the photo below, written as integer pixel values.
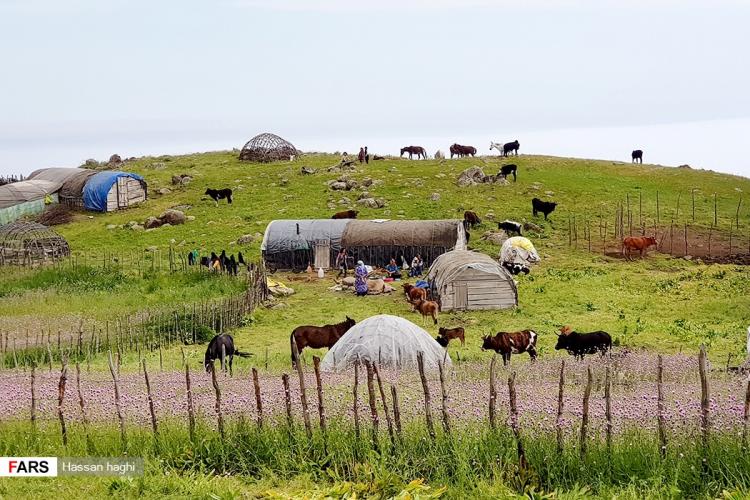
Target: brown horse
(318, 336)
(414, 150)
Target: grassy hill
(661, 302)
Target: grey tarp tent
(295, 244)
(25, 198)
(72, 179)
(467, 280)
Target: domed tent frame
(265, 148)
(29, 243)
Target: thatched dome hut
(266, 148)
(29, 243)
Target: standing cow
(637, 156)
(639, 243)
(507, 343)
(580, 344)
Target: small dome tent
(30, 243)
(266, 148)
(390, 341)
(466, 280)
(109, 191)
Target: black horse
(214, 351)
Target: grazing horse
(511, 146)
(414, 150)
(506, 170)
(214, 351)
(636, 156)
(318, 336)
(496, 145)
(461, 151)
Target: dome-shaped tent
(390, 341)
(29, 243)
(267, 148)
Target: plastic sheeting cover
(97, 188)
(450, 264)
(21, 192)
(518, 250)
(390, 340)
(406, 233)
(72, 179)
(290, 235)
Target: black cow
(637, 156)
(506, 170)
(511, 147)
(471, 219)
(232, 267)
(214, 351)
(206, 261)
(546, 207)
(507, 343)
(580, 344)
(510, 226)
(220, 194)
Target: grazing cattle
(580, 344)
(219, 343)
(510, 227)
(346, 214)
(546, 207)
(318, 336)
(640, 243)
(378, 157)
(461, 151)
(445, 335)
(507, 343)
(511, 147)
(636, 156)
(220, 194)
(427, 308)
(414, 293)
(506, 170)
(414, 150)
(471, 219)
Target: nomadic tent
(29, 243)
(108, 191)
(294, 244)
(267, 148)
(26, 198)
(389, 341)
(466, 280)
(72, 179)
(377, 241)
(518, 254)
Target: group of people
(217, 263)
(416, 268)
(364, 156)
(361, 271)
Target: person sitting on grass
(417, 265)
(393, 270)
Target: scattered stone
(489, 216)
(111, 226)
(496, 238)
(181, 180)
(173, 217)
(307, 170)
(114, 160)
(367, 182)
(190, 217)
(164, 191)
(245, 239)
(372, 202)
(363, 195)
(685, 166)
(530, 226)
(337, 185)
(345, 201)
(471, 176)
(152, 223)
(435, 197)
(137, 227)
(152, 249)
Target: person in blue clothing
(417, 266)
(360, 279)
(393, 270)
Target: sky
(590, 78)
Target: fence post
(446, 423)
(82, 404)
(60, 399)
(321, 410)
(660, 406)
(608, 408)
(388, 421)
(493, 392)
(113, 371)
(258, 400)
(746, 415)
(705, 417)
(191, 412)
(426, 390)
(585, 417)
(288, 401)
(522, 465)
(217, 390)
(150, 399)
(560, 407)
(397, 410)
(303, 392)
(33, 398)
(373, 407)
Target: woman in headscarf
(360, 279)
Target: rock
(489, 216)
(337, 185)
(471, 176)
(688, 257)
(496, 238)
(530, 226)
(114, 160)
(363, 195)
(281, 291)
(307, 170)
(152, 223)
(163, 191)
(172, 241)
(278, 305)
(367, 182)
(345, 201)
(137, 227)
(166, 224)
(190, 217)
(111, 226)
(435, 197)
(331, 205)
(152, 249)
(91, 164)
(351, 184)
(283, 181)
(181, 180)
(158, 166)
(368, 202)
(245, 239)
(685, 166)
(173, 217)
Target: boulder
(530, 226)
(114, 160)
(173, 217)
(181, 180)
(435, 197)
(471, 177)
(245, 239)
(163, 191)
(496, 238)
(307, 170)
(152, 223)
(337, 185)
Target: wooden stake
(705, 417)
(608, 408)
(288, 400)
(33, 398)
(258, 400)
(60, 399)
(585, 417)
(388, 421)
(426, 390)
(191, 411)
(82, 405)
(397, 410)
(303, 392)
(446, 423)
(493, 392)
(118, 407)
(522, 465)
(746, 416)
(355, 408)
(150, 399)
(373, 406)
(660, 407)
(560, 408)
(321, 410)
(217, 406)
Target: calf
(506, 170)
(445, 335)
(509, 227)
(414, 293)
(346, 214)
(471, 219)
(580, 344)
(220, 194)
(507, 343)
(640, 243)
(546, 207)
(637, 156)
(427, 308)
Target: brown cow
(427, 308)
(471, 219)
(445, 335)
(640, 243)
(507, 343)
(414, 293)
(346, 214)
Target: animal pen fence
(711, 235)
(143, 331)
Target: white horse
(496, 145)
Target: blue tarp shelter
(107, 191)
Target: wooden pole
(746, 416)
(303, 391)
(191, 411)
(82, 404)
(660, 407)
(686, 239)
(288, 400)
(118, 407)
(33, 398)
(522, 465)
(716, 213)
(608, 409)
(397, 410)
(426, 390)
(60, 399)
(493, 392)
(657, 207)
(388, 421)
(373, 406)
(321, 409)
(258, 400)
(446, 422)
(677, 214)
(705, 416)
(150, 399)
(585, 417)
(560, 408)
(692, 195)
(355, 407)
(737, 214)
(217, 406)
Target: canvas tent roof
(72, 179)
(289, 235)
(450, 264)
(97, 188)
(391, 341)
(21, 192)
(443, 233)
